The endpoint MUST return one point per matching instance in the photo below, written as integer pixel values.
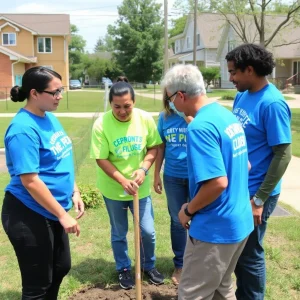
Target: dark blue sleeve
(277, 122)
(205, 154)
(25, 158)
(160, 126)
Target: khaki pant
(207, 270)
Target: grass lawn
(84, 101)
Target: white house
(209, 30)
(287, 56)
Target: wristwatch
(145, 170)
(258, 201)
(186, 211)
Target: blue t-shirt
(172, 129)
(37, 144)
(266, 118)
(217, 147)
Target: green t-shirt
(125, 145)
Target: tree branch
(286, 44)
(254, 16)
(288, 17)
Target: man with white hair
(219, 216)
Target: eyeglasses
(56, 93)
(169, 98)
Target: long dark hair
(36, 78)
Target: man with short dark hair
(265, 117)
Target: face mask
(179, 113)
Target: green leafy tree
(99, 67)
(76, 53)
(104, 44)
(177, 26)
(209, 74)
(137, 39)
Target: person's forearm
(149, 158)
(76, 188)
(41, 194)
(207, 194)
(159, 159)
(110, 170)
(280, 161)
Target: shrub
(227, 97)
(209, 74)
(91, 196)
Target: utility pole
(195, 33)
(166, 56)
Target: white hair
(187, 78)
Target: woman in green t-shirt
(124, 144)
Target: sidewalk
(72, 115)
(290, 192)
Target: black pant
(41, 246)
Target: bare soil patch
(149, 292)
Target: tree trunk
(262, 24)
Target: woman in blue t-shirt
(172, 127)
(41, 189)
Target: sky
(90, 16)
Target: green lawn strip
(282, 246)
(84, 101)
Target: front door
(18, 80)
(296, 70)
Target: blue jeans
(250, 270)
(118, 215)
(177, 192)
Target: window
(177, 46)
(188, 42)
(9, 39)
(198, 39)
(231, 45)
(44, 45)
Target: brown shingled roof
(52, 24)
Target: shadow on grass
(99, 271)
(10, 295)
(101, 274)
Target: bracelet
(145, 170)
(187, 212)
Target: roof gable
(209, 25)
(12, 24)
(40, 24)
(9, 24)
(17, 56)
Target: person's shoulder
(210, 116)
(21, 123)
(142, 115)
(272, 97)
(141, 112)
(162, 115)
(272, 94)
(98, 123)
(16, 128)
